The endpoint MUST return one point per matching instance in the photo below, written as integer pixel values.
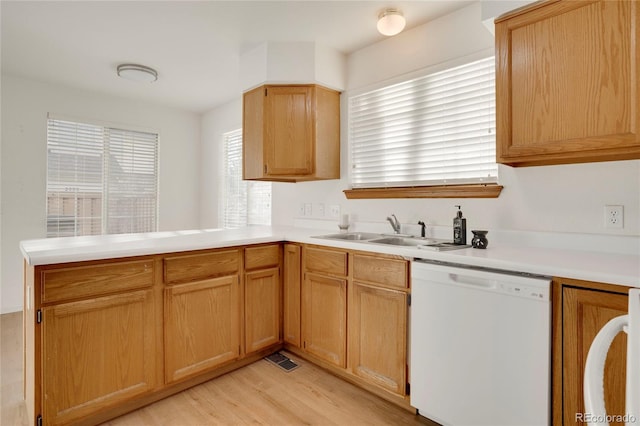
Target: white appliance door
(633, 357)
(480, 347)
(596, 358)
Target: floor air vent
(281, 361)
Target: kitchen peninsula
(115, 322)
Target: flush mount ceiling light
(137, 72)
(391, 22)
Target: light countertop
(622, 269)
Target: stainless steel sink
(394, 240)
(424, 243)
(443, 246)
(350, 236)
(402, 241)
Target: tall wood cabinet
(567, 83)
(291, 133)
(580, 310)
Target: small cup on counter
(479, 240)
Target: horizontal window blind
(243, 202)
(100, 180)
(433, 130)
(131, 181)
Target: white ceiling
(194, 46)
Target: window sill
(442, 191)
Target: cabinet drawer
(387, 272)
(261, 257)
(200, 266)
(95, 280)
(325, 261)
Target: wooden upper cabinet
(291, 133)
(567, 83)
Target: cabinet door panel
(201, 326)
(289, 131)
(262, 309)
(585, 312)
(292, 286)
(97, 353)
(325, 317)
(378, 327)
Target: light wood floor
(260, 394)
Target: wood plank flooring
(258, 394)
(12, 407)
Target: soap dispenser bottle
(459, 228)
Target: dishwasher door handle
(473, 281)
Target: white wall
(215, 124)
(25, 105)
(566, 198)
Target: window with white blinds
(242, 202)
(438, 129)
(100, 180)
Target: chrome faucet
(393, 220)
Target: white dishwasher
(480, 345)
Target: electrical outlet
(320, 209)
(334, 210)
(614, 216)
(307, 209)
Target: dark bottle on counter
(459, 228)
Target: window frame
(468, 190)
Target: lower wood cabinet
(262, 301)
(580, 310)
(354, 316)
(106, 337)
(262, 297)
(378, 336)
(201, 326)
(97, 353)
(324, 317)
(292, 284)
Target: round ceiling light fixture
(391, 22)
(137, 72)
